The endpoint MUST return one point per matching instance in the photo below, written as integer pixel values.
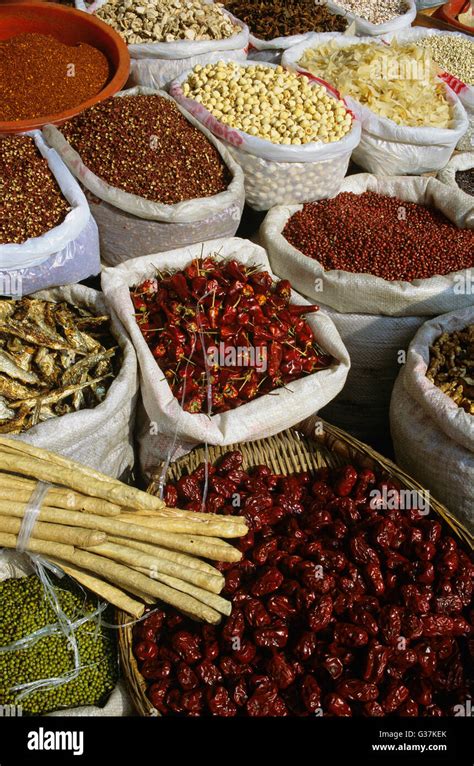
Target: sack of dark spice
(47, 235)
(276, 26)
(411, 119)
(376, 317)
(459, 173)
(59, 386)
(170, 422)
(156, 179)
(432, 435)
(167, 37)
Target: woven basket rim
(314, 443)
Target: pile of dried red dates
(340, 606)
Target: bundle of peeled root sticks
(123, 544)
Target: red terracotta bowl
(70, 27)
(450, 11)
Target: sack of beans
(411, 119)
(47, 235)
(292, 137)
(69, 377)
(376, 17)
(459, 172)
(432, 409)
(276, 26)
(225, 354)
(454, 54)
(167, 37)
(376, 258)
(155, 178)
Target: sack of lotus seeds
(56, 654)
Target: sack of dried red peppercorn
(279, 173)
(433, 437)
(65, 254)
(131, 225)
(166, 430)
(387, 147)
(376, 317)
(157, 64)
(102, 437)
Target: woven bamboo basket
(310, 446)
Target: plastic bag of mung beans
(156, 65)
(16, 565)
(386, 148)
(131, 226)
(277, 174)
(376, 318)
(433, 437)
(74, 237)
(102, 437)
(464, 90)
(165, 430)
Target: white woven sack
(386, 148)
(130, 226)
(178, 430)
(376, 318)
(59, 240)
(278, 173)
(363, 293)
(14, 564)
(433, 437)
(155, 65)
(364, 27)
(464, 91)
(101, 438)
(464, 161)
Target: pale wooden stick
(57, 533)
(211, 599)
(117, 573)
(208, 547)
(186, 526)
(59, 498)
(103, 589)
(178, 558)
(153, 564)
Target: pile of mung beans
(31, 201)
(384, 236)
(270, 103)
(143, 145)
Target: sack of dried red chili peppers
(47, 235)
(155, 178)
(376, 258)
(166, 37)
(432, 411)
(226, 352)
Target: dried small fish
(55, 359)
(9, 367)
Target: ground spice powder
(145, 146)
(385, 236)
(41, 76)
(31, 202)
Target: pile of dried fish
(55, 358)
